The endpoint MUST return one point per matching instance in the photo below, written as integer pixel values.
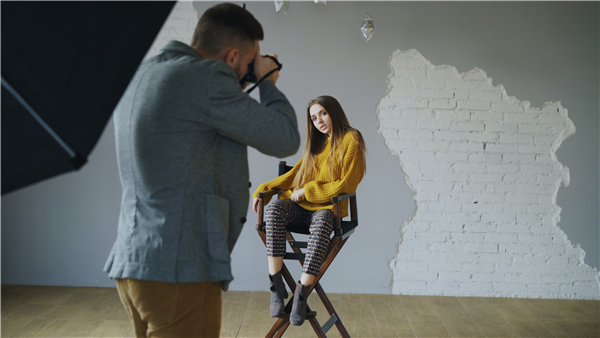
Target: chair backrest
(283, 168)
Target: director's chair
(341, 232)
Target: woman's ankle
(307, 279)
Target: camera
(250, 76)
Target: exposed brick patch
(485, 175)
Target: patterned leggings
(284, 214)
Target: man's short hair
(226, 25)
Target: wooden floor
(49, 311)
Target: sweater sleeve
(283, 182)
(353, 169)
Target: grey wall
(59, 232)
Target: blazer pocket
(217, 227)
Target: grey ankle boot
(278, 294)
(298, 314)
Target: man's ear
(232, 57)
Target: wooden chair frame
(342, 231)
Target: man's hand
(263, 65)
(298, 195)
(255, 205)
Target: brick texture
(485, 175)
(180, 26)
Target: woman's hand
(255, 205)
(298, 195)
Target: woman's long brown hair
(316, 142)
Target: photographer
(182, 130)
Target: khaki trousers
(181, 310)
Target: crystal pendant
(367, 27)
(282, 6)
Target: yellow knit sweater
(318, 193)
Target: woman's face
(320, 119)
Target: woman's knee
(322, 221)
(277, 213)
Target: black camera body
(250, 76)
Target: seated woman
(332, 165)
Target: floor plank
(257, 320)
(120, 315)
(96, 290)
(233, 309)
(48, 311)
(455, 318)
(593, 306)
(491, 323)
(552, 319)
(358, 316)
(102, 307)
(79, 327)
(391, 317)
(519, 318)
(54, 295)
(70, 306)
(423, 317)
(579, 316)
(12, 301)
(7, 288)
(41, 328)
(112, 328)
(11, 326)
(361, 324)
(356, 303)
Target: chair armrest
(261, 207)
(268, 193)
(341, 198)
(337, 226)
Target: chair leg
(282, 330)
(278, 328)
(317, 328)
(281, 324)
(335, 246)
(329, 307)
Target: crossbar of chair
(295, 256)
(329, 323)
(296, 244)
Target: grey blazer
(182, 130)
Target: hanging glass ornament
(367, 27)
(324, 2)
(282, 6)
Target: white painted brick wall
(485, 175)
(180, 26)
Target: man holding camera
(182, 130)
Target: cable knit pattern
(318, 193)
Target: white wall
(59, 232)
(484, 170)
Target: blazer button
(249, 184)
(243, 220)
